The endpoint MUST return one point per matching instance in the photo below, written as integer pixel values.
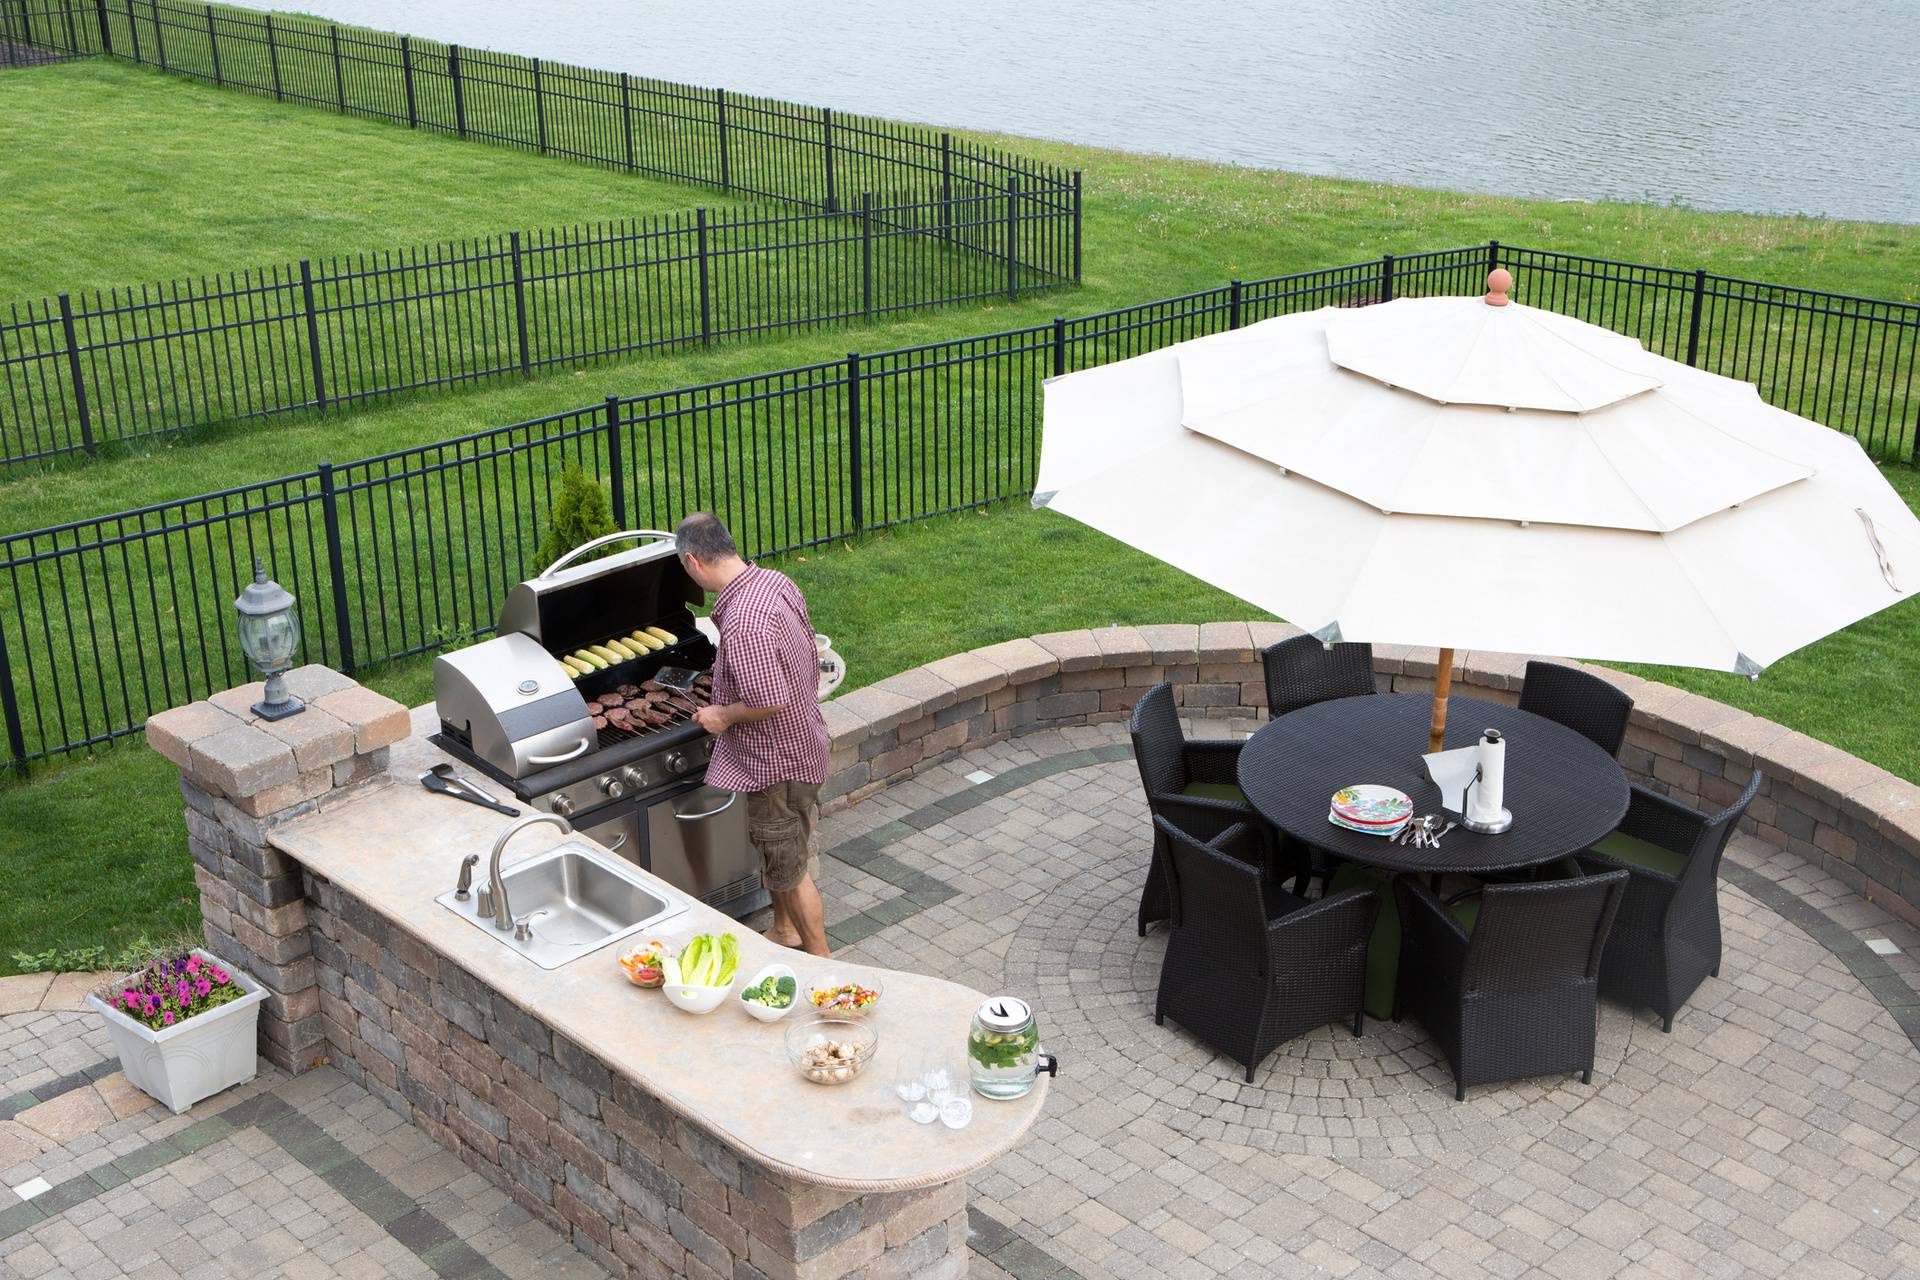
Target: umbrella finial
(1499, 280)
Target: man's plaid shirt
(767, 659)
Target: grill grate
(613, 736)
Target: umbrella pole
(1442, 686)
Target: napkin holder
(1485, 826)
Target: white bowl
(765, 1013)
(696, 999)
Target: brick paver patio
(1774, 1133)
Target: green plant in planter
(581, 512)
(171, 990)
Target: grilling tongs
(443, 780)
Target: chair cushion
(1215, 791)
(1642, 853)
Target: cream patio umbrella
(1473, 473)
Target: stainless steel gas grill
(612, 751)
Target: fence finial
(1499, 281)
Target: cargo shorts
(780, 823)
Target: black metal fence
(875, 218)
(107, 620)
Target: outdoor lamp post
(269, 634)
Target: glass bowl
(831, 1050)
(840, 1004)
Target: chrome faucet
(496, 887)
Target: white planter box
(196, 1057)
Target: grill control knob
(612, 787)
(633, 777)
(563, 805)
(676, 762)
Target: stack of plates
(1374, 810)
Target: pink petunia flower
(202, 987)
(193, 964)
(167, 1018)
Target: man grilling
(770, 740)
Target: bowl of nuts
(831, 1050)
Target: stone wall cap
(970, 674)
(921, 687)
(173, 732)
(241, 761)
(376, 720)
(1021, 659)
(1121, 646)
(318, 738)
(1076, 650)
(1225, 642)
(1172, 644)
(876, 708)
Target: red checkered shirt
(767, 659)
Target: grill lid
(570, 605)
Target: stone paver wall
(1842, 814)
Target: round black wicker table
(1565, 793)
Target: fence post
(106, 32)
(866, 255)
(706, 300)
(1077, 204)
(626, 115)
(133, 32)
(1013, 261)
(826, 129)
(313, 335)
(10, 706)
(1493, 255)
(1386, 277)
(339, 79)
(213, 47)
(273, 59)
(616, 462)
(459, 94)
(406, 62)
(726, 161)
(1059, 346)
(539, 107)
(159, 35)
(946, 187)
(520, 303)
(856, 485)
(337, 567)
(1693, 324)
(1236, 298)
(74, 370)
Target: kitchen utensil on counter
(443, 784)
(831, 1050)
(1003, 1057)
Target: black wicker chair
(1667, 940)
(1303, 671)
(1249, 966)
(1196, 785)
(1506, 977)
(1584, 703)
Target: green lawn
(95, 850)
(137, 176)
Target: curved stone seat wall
(1838, 812)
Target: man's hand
(717, 720)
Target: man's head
(707, 550)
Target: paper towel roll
(1488, 797)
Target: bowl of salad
(840, 996)
(771, 994)
(645, 965)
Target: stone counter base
(1842, 814)
(638, 1188)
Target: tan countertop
(395, 846)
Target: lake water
(1773, 106)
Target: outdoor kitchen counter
(394, 846)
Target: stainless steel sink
(575, 899)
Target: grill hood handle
(597, 543)
(564, 756)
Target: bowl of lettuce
(701, 975)
(771, 994)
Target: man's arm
(717, 720)
(753, 661)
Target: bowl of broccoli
(771, 993)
